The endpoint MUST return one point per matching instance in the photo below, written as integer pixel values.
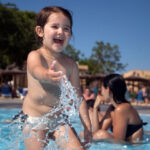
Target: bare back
(123, 116)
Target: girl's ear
(39, 31)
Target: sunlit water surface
(11, 135)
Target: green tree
(104, 59)
(16, 34)
(92, 65)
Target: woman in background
(120, 116)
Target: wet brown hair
(42, 17)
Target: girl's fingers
(56, 79)
(52, 67)
(54, 74)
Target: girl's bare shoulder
(33, 57)
(33, 53)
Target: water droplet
(41, 96)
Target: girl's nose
(60, 31)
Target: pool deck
(10, 103)
(17, 103)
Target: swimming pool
(11, 136)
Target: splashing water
(69, 106)
(69, 103)
(69, 98)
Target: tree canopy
(104, 59)
(16, 34)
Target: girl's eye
(66, 29)
(55, 26)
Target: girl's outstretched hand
(54, 75)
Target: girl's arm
(38, 71)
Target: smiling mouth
(59, 41)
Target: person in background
(145, 94)
(46, 66)
(123, 120)
(139, 96)
(94, 87)
(6, 90)
(88, 94)
(90, 105)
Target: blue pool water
(11, 136)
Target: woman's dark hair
(42, 17)
(117, 86)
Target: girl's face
(56, 32)
(106, 93)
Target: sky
(125, 23)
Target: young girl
(46, 66)
(121, 117)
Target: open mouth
(59, 41)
